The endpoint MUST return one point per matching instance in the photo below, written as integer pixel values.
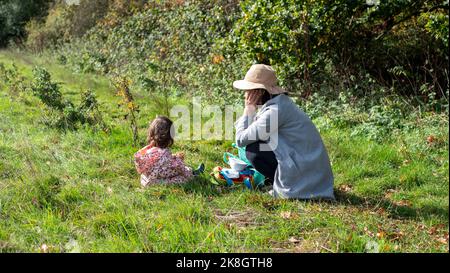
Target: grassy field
(79, 191)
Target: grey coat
(304, 169)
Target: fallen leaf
(396, 235)
(431, 139)
(443, 240)
(403, 203)
(432, 230)
(285, 214)
(389, 193)
(345, 188)
(44, 248)
(288, 215)
(368, 232)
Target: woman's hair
(265, 96)
(159, 132)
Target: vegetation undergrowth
(77, 191)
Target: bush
(14, 82)
(14, 14)
(302, 38)
(145, 47)
(63, 114)
(64, 23)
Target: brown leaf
(44, 248)
(381, 234)
(345, 188)
(396, 235)
(368, 232)
(389, 193)
(432, 230)
(288, 215)
(443, 240)
(403, 203)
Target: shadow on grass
(203, 186)
(395, 211)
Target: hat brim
(246, 85)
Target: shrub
(301, 38)
(63, 114)
(14, 14)
(14, 82)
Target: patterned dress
(157, 165)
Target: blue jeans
(264, 162)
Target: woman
(280, 139)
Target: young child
(155, 162)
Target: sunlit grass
(78, 191)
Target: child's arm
(179, 166)
(180, 155)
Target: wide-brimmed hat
(260, 76)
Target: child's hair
(159, 132)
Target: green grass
(78, 191)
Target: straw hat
(260, 76)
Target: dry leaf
(432, 230)
(403, 203)
(345, 188)
(294, 240)
(443, 240)
(44, 248)
(288, 215)
(380, 234)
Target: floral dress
(158, 165)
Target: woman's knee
(263, 161)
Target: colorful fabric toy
(249, 177)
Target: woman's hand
(252, 99)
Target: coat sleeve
(249, 131)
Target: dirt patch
(239, 219)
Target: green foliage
(64, 23)
(46, 90)
(14, 14)
(162, 61)
(14, 82)
(79, 191)
(63, 113)
(301, 38)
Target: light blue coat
(304, 169)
